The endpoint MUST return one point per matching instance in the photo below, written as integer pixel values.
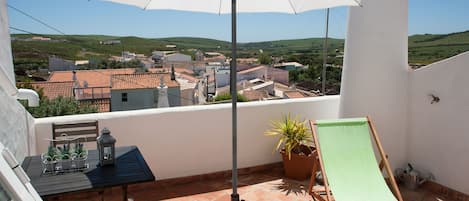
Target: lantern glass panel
(107, 153)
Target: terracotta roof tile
(94, 78)
(252, 69)
(55, 89)
(141, 81)
(184, 70)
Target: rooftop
(141, 81)
(184, 70)
(55, 89)
(187, 77)
(254, 95)
(252, 69)
(94, 78)
(293, 94)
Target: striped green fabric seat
(349, 161)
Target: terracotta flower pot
(299, 166)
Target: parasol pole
(234, 98)
(324, 58)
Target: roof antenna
(173, 76)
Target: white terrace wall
(439, 132)
(193, 140)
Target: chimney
(173, 75)
(74, 76)
(162, 95)
(76, 83)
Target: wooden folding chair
(348, 164)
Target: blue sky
(98, 17)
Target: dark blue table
(130, 168)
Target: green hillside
(429, 48)
(423, 49)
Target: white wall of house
(7, 75)
(278, 75)
(188, 96)
(222, 77)
(142, 98)
(194, 140)
(15, 123)
(260, 73)
(375, 73)
(439, 132)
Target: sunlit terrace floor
(259, 186)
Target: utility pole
(206, 88)
(215, 80)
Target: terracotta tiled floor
(266, 186)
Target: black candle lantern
(106, 148)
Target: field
(423, 49)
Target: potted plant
(293, 144)
(79, 156)
(49, 159)
(65, 157)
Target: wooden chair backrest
(74, 132)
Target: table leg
(101, 194)
(124, 192)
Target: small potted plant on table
(297, 154)
(65, 155)
(79, 156)
(49, 159)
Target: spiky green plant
(65, 152)
(80, 151)
(292, 133)
(51, 154)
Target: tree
(264, 58)
(60, 106)
(227, 96)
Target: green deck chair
(348, 163)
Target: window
(124, 97)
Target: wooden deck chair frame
(384, 163)
(83, 132)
